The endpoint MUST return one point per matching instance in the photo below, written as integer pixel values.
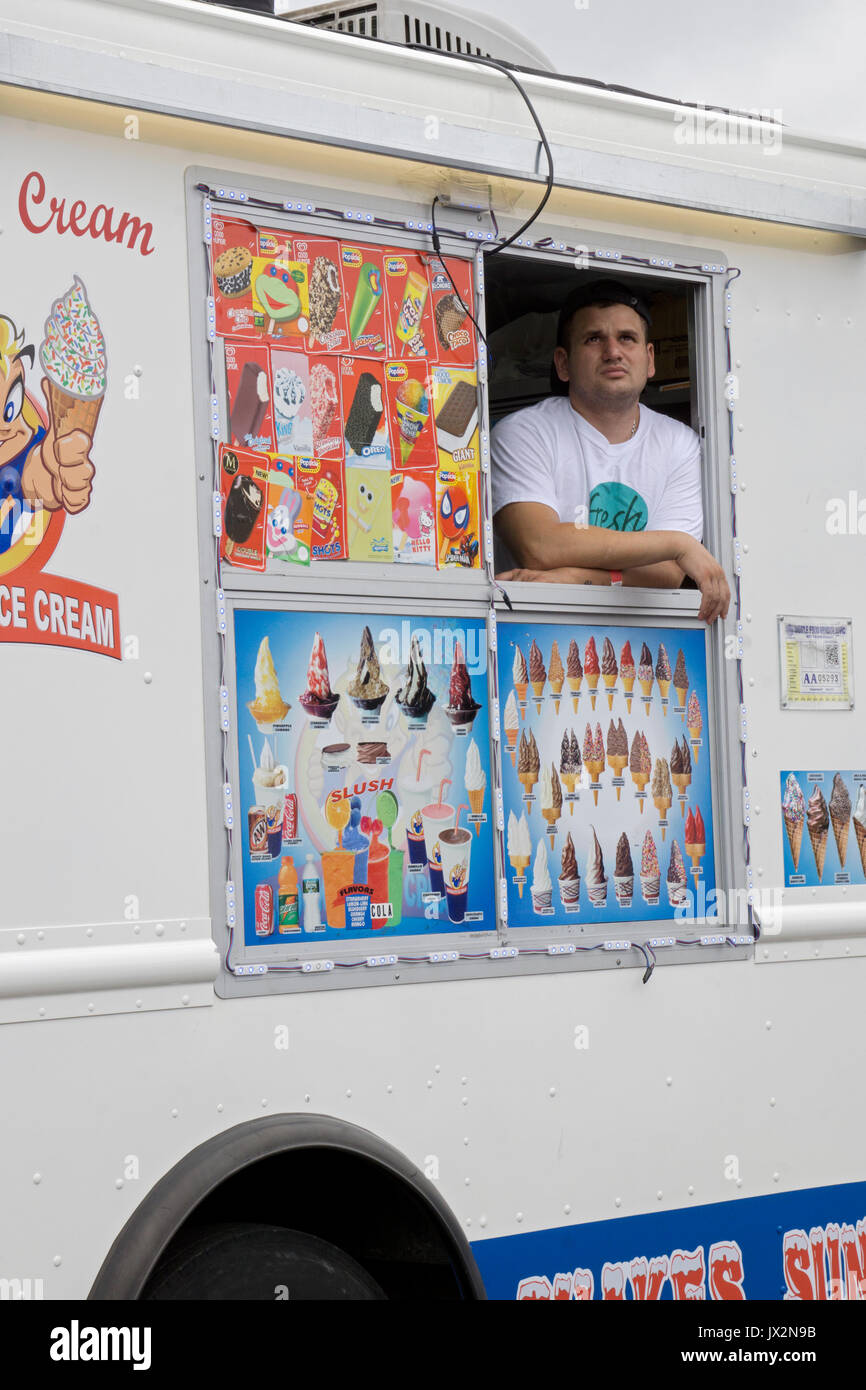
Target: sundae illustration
(541, 887)
(367, 690)
(569, 878)
(650, 873)
(623, 872)
(269, 707)
(462, 707)
(596, 882)
(319, 700)
(676, 879)
(415, 697)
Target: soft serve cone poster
(823, 827)
(381, 724)
(606, 774)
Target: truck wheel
(266, 1263)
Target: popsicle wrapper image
(455, 334)
(364, 286)
(407, 389)
(281, 289)
(291, 396)
(410, 313)
(289, 522)
(234, 247)
(251, 416)
(455, 416)
(243, 488)
(365, 412)
(368, 513)
(324, 481)
(458, 526)
(326, 407)
(329, 326)
(413, 513)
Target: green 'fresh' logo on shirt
(617, 508)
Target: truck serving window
(411, 766)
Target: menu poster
(410, 315)
(458, 524)
(324, 480)
(368, 513)
(407, 389)
(328, 330)
(413, 515)
(823, 827)
(243, 488)
(364, 284)
(364, 781)
(251, 419)
(451, 294)
(288, 527)
(455, 410)
(606, 774)
(365, 411)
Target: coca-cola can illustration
(290, 817)
(264, 899)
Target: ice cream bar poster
(364, 787)
(606, 773)
(823, 828)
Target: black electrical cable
(506, 71)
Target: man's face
(608, 360)
(15, 433)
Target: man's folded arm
(538, 540)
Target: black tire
(256, 1262)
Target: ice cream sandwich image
(457, 417)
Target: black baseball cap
(600, 292)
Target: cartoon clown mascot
(45, 465)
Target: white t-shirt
(549, 453)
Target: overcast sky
(805, 57)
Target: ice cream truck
(381, 929)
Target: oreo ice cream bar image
(365, 415)
(243, 506)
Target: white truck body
(572, 1120)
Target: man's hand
(697, 562)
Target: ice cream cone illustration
(569, 764)
(574, 672)
(609, 670)
(511, 724)
(661, 791)
(645, 675)
(681, 683)
(555, 675)
(795, 839)
(627, 673)
(640, 765)
(617, 751)
(616, 764)
(593, 756)
(551, 798)
(511, 739)
(551, 815)
(860, 824)
(73, 359)
(528, 761)
(640, 780)
(794, 816)
(519, 847)
(694, 723)
(840, 816)
(475, 781)
(520, 676)
(537, 673)
(568, 781)
(591, 668)
(696, 836)
(681, 770)
(663, 675)
(818, 821)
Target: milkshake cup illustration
(414, 794)
(456, 847)
(437, 816)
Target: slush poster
(364, 786)
(606, 774)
